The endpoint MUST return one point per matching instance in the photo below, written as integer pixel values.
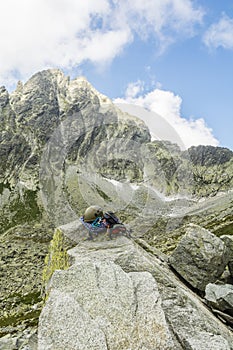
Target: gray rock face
(206, 341)
(228, 240)
(230, 266)
(106, 300)
(26, 340)
(220, 296)
(200, 257)
(209, 155)
(206, 161)
(96, 305)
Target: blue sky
(174, 57)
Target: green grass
(20, 211)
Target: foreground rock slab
(117, 296)
(200, 257)
(99, 306)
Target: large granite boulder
(220, 296)
(118, 296)
(96, 305)
(200, 257)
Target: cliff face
(65, 146)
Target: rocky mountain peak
(53, 84)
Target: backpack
(97, 222)
(111, 218)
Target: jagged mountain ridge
(63, 146)
(34, 112)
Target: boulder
(206, 341)
(26, 340)
(7, 342)
(230, 266)
(200, 257)
(228, 240)
(220, 297)
(96, 305)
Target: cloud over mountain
(167, 105)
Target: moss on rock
(57, 257)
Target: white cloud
(134, 89)
(167, 107)
(220, 34)
(156, 15)
(64, 33)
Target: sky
(172, 57)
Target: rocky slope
(133, 301)
(64, 146)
